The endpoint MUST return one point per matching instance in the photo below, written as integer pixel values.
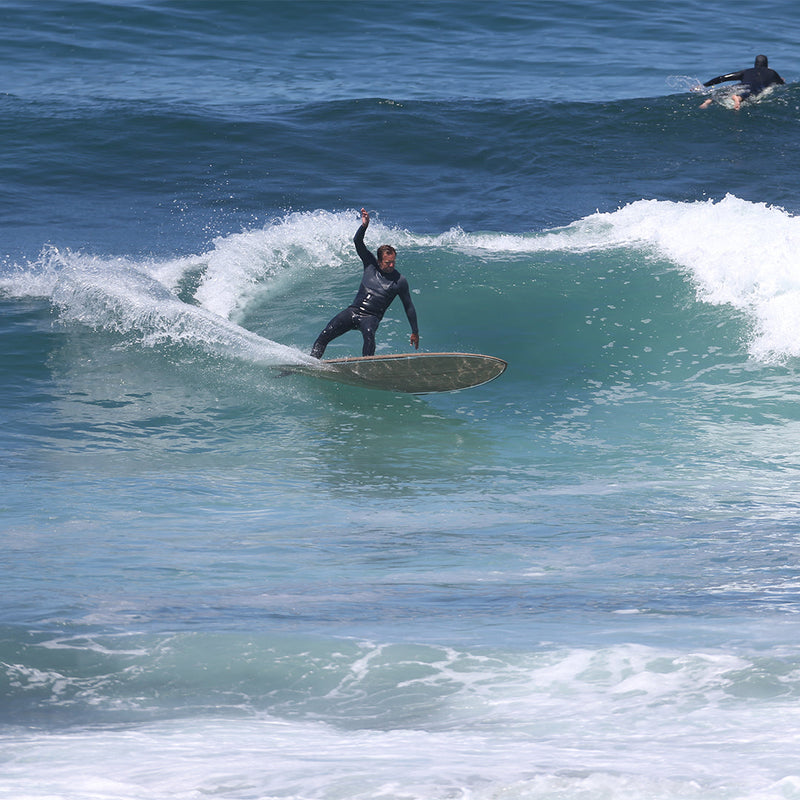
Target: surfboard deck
(411, 373)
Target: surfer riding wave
(380, 284)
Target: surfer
(379, 286)
(753, 81)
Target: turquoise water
(577, 581)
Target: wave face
(223, 579)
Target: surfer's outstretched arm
(731, 76)
(411, 312)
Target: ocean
(580, 581)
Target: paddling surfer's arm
(731, 76)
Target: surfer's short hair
(384, 249)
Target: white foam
(417, 721)
(736, 253)
(297, 247)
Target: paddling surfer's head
(761, 61)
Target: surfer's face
(386, 262)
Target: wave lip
(736, 253)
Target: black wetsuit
(374, 296)
(753, 80)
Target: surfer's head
(386, 257)
(761, 61)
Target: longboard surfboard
(412, 373)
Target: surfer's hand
(364, 217)
(415, 340)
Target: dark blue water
(577, 581)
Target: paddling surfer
(753, 81)
(380, 284)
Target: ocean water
(580, 581)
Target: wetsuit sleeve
(408, 305)
(731, 76)
(364, 254)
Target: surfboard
(411, 373)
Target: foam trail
(268, 261)
(120, 296)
